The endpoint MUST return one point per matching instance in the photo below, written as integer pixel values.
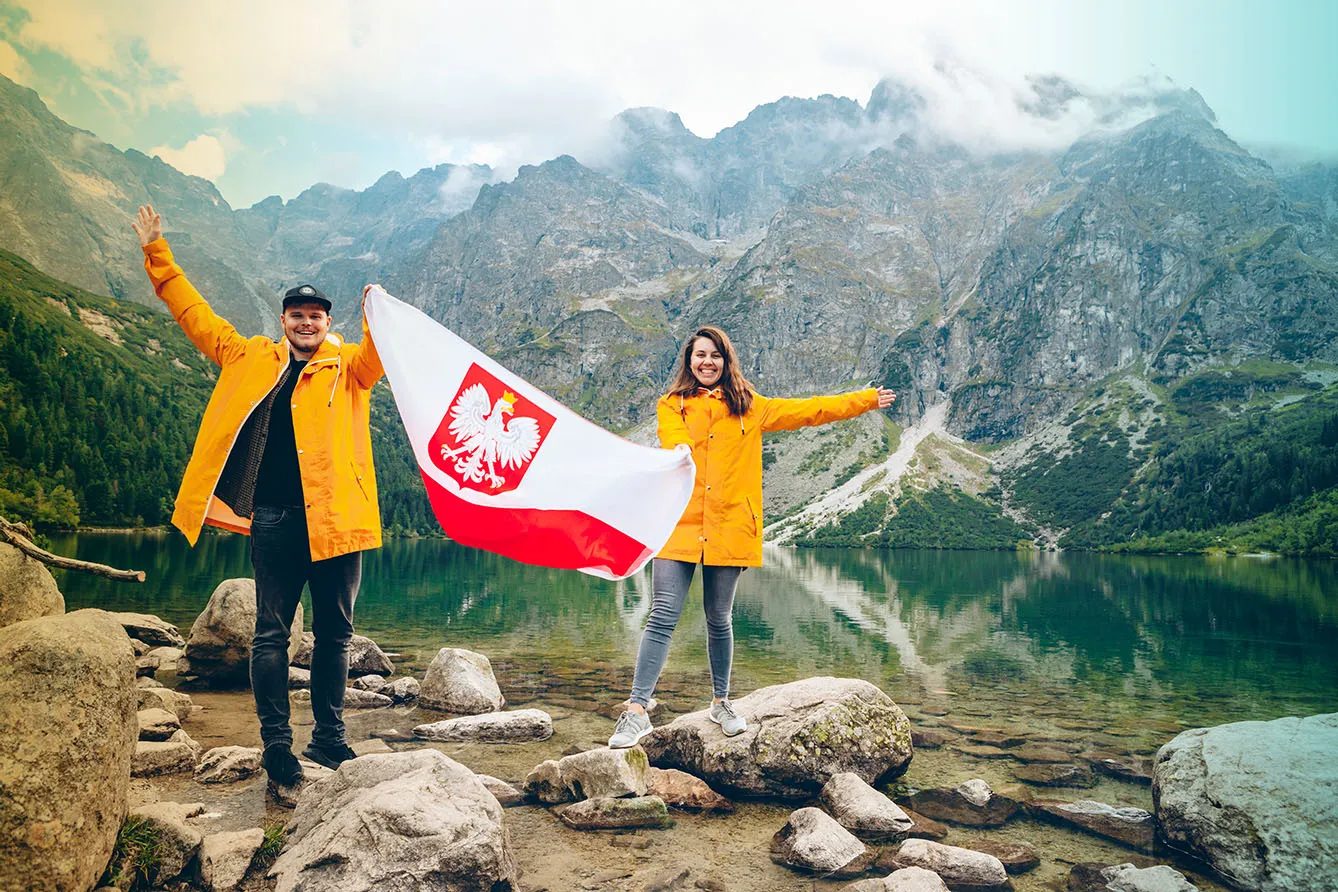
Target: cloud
(14, 66)
(203, 156)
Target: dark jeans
(281, 556)
(669, 584)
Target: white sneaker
(631, 727)
(730, 722)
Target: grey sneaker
(730, 722)
(631, 727)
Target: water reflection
(1123, 639)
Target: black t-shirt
(279, 482)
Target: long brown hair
(738, 393)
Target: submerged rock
(460, 681)
(610, 813)
(1131, 826)
(218, 651)
(1055, 775)
(1256, 800)
(973, 803)
(1127, 878)
(799, 735)
(863, 810)
(67, 736)
(433, 822)
(812, 840)
(1016, 857)
(517, 726)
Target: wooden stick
(18, 534)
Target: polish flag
(510, 470)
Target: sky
(271, 97)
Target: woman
(713, 411)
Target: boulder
(679, 789)
(863, 810)
(1258, 801)
(226, 857)
(616, 813)
(517, 726)
(359, 699)
(931, 738)
(1131, 826)
(1135, 770)
(812, 840)
(157, 724)
(506, 794)
(1089, 877)
(960, 869)
(226, 764)
(67, 736)
(373, 683)
(365, 656)
(460, 681)
(150, 629)
(167, 658)
(219, 648)
(27, 588)
(1016, 857)
(799, 735)
(177, 841)
(401, 690)
(973, 803)
(176, 754)
(413, 820)
(914, 879)
(298, 678)
(175, 702)
(597, 774)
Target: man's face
(305, 326)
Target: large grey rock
(610, 813)
(67, 736)
(365, 656)
(460, 681)
(150, 629)
(1132, 826)
(799, 735)
(226, 857)
(414, 820)
(27, 589)
(863, 810)
(174, 755)
(1127, 878)
(811, 840)
(596, 774)
(516, 726)
(227, 764)
(972, 803)
(219, 649)
(1256, 800)
(177, 840)
(961, 869)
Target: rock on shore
(219, 648)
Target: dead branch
(20, 536)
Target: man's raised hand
(149, 226)
(885, 398)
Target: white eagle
(486, 441)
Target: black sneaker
(281, 765)
(329, 756)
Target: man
(284, 454)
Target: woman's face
(706, 362)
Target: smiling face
(305, 326)
(706, 362)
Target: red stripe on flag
(568, 540)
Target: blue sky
(271, 97)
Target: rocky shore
(129, 759)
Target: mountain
(1063, 319)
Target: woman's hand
(885, 398)
(149, 226)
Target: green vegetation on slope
(939, 518)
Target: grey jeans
(281, 557)
(669, 584)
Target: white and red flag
(509, 469)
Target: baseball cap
(305, 294)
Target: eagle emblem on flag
(489, 435)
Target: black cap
(305, 294)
